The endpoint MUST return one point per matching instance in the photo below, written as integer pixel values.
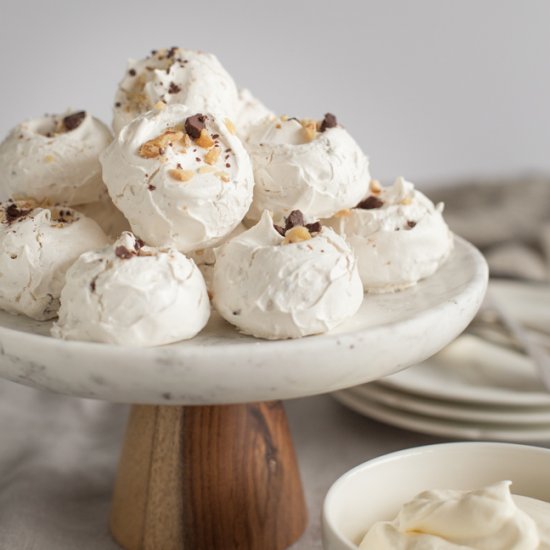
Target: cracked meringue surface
(273, 286)
(397, 234)
(37, 246)
(182, 179)
(54, 158)
(174, 76)
(131, 294)
(307, 165)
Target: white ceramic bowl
(376, 490)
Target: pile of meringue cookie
(203, 196)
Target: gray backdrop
(432, 89)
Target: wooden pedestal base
(208, 478)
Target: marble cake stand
(208, 462)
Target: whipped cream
(397, 234)
(193, 78)
(37, 246)
(251, 112)
(298, 166)
(54, 158)
(490, 518)
(272, 288)
(130, 294)
(177, 190)
(106, 215)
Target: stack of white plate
(473, 389)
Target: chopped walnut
(405, 201)
(230, 126)
(346, 212)
(206, 170)
(212, 156)
(181, 175)
(155, 147)
(204, 140)
(224, 176)
(296, 235)
(310, 128)
(159, 105)
(375, 187)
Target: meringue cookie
(314, 167)
(251, 111)
(106, 215)
(54, 158)
(130, 294)
(193, 78)
(188, 193)
(277, 287)
(205, 258)
(397, 234)
(37, 246)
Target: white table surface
(58, 457)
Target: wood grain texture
(208, 478)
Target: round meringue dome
(276, 287)
(37, 246)
(174, 76)
(177, 184)
(315, 167)
(397, 234)
(54, 158)
(130, 294)
(251, 112)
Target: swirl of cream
(315, 167)
(397, 234)
(37, 246)
(130, 294)
(193, 78)
(482, 519)
(181, 179)
(278, 287)
(54, 158)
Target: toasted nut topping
(310, 128)
(343, 213)
(187, 141)
(181, 175)
(375, 187)
(159, 105)
(230, 126)
(212, 156)
(284, 118)
(155, 147)
(204, 140)
(224, 176)
(206, 169)
(297, 235)
(405, 201)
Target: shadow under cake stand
(208, 461)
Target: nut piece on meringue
(37, 246)
(312, 166)
(397, 234)
(54, 158)
(251, 112)
(193, 78)
(181, 178)
(278, 282)
(131, 294)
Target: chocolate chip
(118, 104)
(132, 72)
(411, 224)
(279, 229)
(139, 243)
(123, 253)
(173, 88)
(71, 122)
(92, 286)
(313, 227)
(293, 219)
(328, 122)
(194, 125)
(13, 213)
(151, 187)
(171, 52)
(370, 203)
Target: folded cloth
(509, 221)
(58, 454)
